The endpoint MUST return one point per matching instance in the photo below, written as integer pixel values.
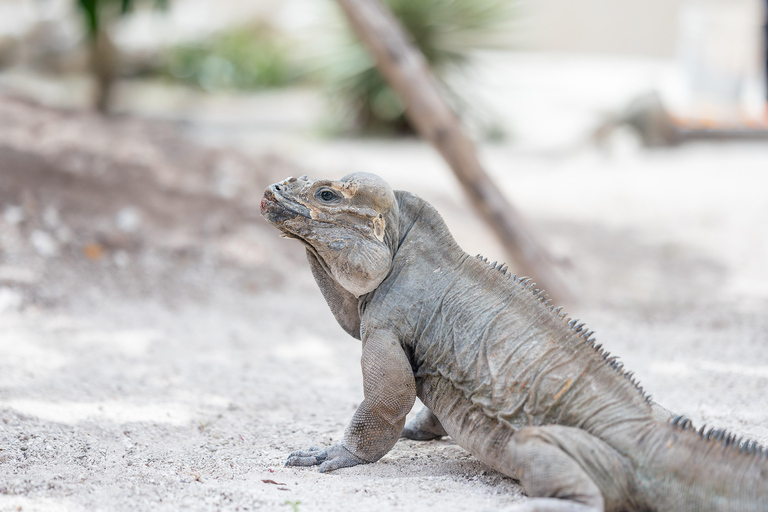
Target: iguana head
(350, 225)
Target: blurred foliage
(95, 12)
(103, 59)
(446, 32)
(250, 57)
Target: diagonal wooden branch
(407, 72)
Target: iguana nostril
(276, 187)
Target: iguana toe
(311, 457)
(329, 459)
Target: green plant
(95, 12)
(293, 504)
(248, 57)
(446, 32)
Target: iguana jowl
(511, 379)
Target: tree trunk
(407, 72)
(103, 64)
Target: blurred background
(566, 101)
(149, 334)
(508, 64)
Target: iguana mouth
(278, 209)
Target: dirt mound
(98, 205)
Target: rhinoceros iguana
(509, 377)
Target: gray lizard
(509, 377)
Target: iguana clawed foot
(424, 427)
(329, 459)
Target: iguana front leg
(390, 391)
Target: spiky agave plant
(446, 32)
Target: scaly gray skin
(507, 376)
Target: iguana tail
(690, 469)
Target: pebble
(13, 215)
(44, 244)
(10, 299)
(51, 217)
(128, 219)
(121, 258)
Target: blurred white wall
(648, 28)
(628, 27)
(721, 54)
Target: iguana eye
(326, 195)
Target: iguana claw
(329, 459)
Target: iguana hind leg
(424, 427)
(566, 469)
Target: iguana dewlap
(507, 376)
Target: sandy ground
(162, 349)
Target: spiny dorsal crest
(579, 328)
(725, 438)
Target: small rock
(128, 219)
(93, 251)
(10, 299)
(17, 275)
(44, 244)
(64, 234)
(13, 215)
(51, 217)
(121, 258)
(227, 178)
